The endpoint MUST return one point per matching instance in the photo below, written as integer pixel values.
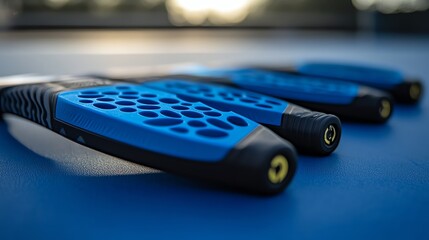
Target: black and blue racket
(402, 88)
(311, 132)
(349, 101)
(156, 129)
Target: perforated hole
(104, 105)
(164, 122)
(169, 100)
(192, 114)
(263, 105)
(111, 93)
(130, 93)
(148, 107)
(147, 101)
(90, 96)
(89, 92)
(223, 94)
(273, 102)
(188, 99)
(247, 100)
(127, 109)
(178, 107)
(237, 121)
(149, 114)
(192, 91)
(195, 123)
(220, 124)
(209, 95)
(128, 97)
(211, 133)
(180, 129)
(202, 108)
(125, 103)
(169, 113)
(85, 101)
(148, 95)
(204, 89)
(228, 98)
(212, 114)
(253, 96)
(105, 99)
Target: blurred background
(87, 36)
(409, 16)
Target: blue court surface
(375, 186)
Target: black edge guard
(311, 132)
(245, 168)
(371, 106)
(408, 92)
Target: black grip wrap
(311, 132)
(35, 101)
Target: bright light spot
(197, 12)
(363, 4)
(392, 6)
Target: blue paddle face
(289, 86)
(258, 107)
(372, 76)
(154, 120)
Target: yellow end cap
(278, 169)
(385, 109)
(330, 135)
(415, 91)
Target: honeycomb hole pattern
(192, 92)
(291, 82)
(176, 114)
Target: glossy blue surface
(361, 74)
(260, 108)
(153, 120)
(289, 86)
